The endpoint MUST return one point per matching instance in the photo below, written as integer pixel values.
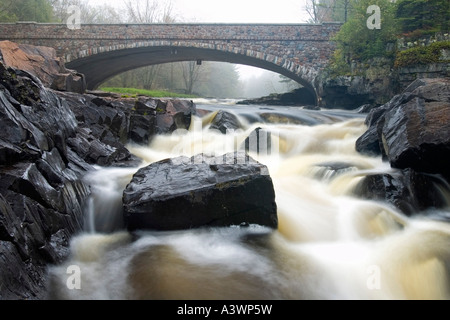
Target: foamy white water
(329, 244)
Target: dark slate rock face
(185, 193)
(417, 135)
(412, 132)
(413, 129)
(41, 192)
(48, 142)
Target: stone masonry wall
(303, 49)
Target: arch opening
(100, 67)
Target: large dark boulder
(417, 135)
(413, 129)
(412, 133)
(185, 193)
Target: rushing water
(329, 244)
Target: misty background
(208, 79)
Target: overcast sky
(246, 11)
(234, 11)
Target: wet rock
(345, 93)
(417, 135)
(330, 170)
(16, 275)
(116, 121)
(413, 129)
(173, 114)
(41, 192)
(92, 150)
(409, 191)
(297, 97)
(201, 191)
(225, 122)
(43, 63)
(365, 108)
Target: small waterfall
(329, 244)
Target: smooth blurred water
(329, 244)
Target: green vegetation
(356, 42)
(409, 19)
(26, 10)
(133, 93)
(423, 17)
(422, 55)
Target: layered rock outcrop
(48, 142)
(43, 63)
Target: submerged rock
(409, 191)
(185, 193)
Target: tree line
(402, 19)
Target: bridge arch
(298, 51)
(101, 64)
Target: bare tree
(312, 8)
(191, 75)
(327, 10)
(149, 11)
(89, 13)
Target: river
(330, 244)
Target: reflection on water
(329, 244)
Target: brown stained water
(329, 244)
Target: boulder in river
(184, 193)
(413, 129)
(412, 132)
(408, 191)
(225, 122)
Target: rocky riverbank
(412, 133)
(298, 97)
(50, 140)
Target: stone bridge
(101, 51)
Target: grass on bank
(133, 93)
